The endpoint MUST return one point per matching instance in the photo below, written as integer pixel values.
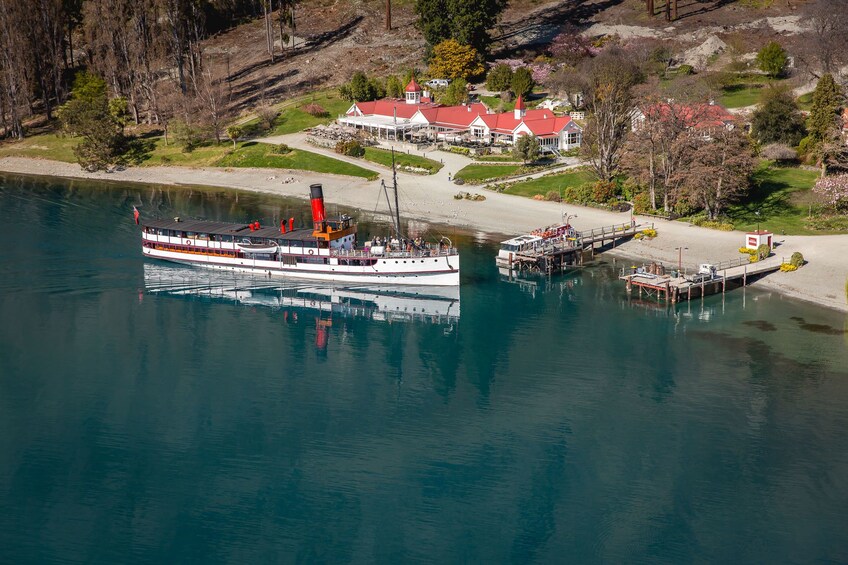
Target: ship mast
(395, 213)
(397, 204)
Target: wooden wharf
(729, 275)
(557, 254)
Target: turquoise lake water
(162, 414)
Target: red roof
(391, 107)
(505, 122)
(454, 116)
(547, 127)
(519, 103)
(413, 86)
(697, 116)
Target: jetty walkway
(677, 286)
(558, 253)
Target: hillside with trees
(152, 81)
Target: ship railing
(417, 253)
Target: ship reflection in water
(299, 301)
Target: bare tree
(606, 82)
(658, 147)
(719, 169)
(13, 67)
(826, 47)
(213, 100)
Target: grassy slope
(475, 174)
(45, 146)
(543, 185)
(383, 157)
(782, 196)
(253, 154)
(745, 90)
(293, 120)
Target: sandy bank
(430, 198)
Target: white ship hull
(441, 270)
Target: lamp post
(757, 214)
(680, 257)
(567, 217)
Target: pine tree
(826, 100)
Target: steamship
(328, 251)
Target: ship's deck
(228, 228)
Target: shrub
(712, 224)
(580, 194)
(796, 260)
(747, 251)
(186, 134)
(602, 191)
(763, 251)
(350, 148)
(788, 267)
(459, 182)
(499, 78)
(685, 70)
(778, 152)
(553, 196)
(267, 115)
(828, 223)
(772, 59)
(641, 203)
(281, 149)
(316, 110)
(834, 189)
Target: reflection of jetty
(436, 305)
(540, 254)
(713, 279)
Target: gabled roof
(454, 116)
(389, 107)
(547, 127)
(505, 122)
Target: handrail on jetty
(554, 254)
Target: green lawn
(740, 95)
(172, 154)
(476, 173)
(44, 146)
(494, 158)
(783, 198)
(383, 157)
(543, 185)
(494, 102)
(293, 120)
(252, 154)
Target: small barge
(326, 252)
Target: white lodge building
(417, 117)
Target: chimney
(316, 193)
